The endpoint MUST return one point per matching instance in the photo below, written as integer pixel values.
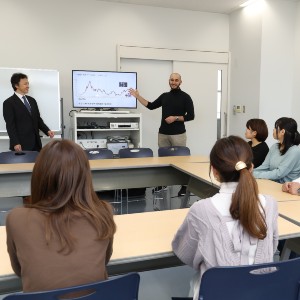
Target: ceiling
(214, 6)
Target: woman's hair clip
(240, 165)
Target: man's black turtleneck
(174, 103)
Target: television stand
(106, 111)
(94, 129)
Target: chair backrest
(135, 152)
(121, 288)
(276, 281)
(99, 153)
(13, 157)
(174, 151)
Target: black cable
(72, 111)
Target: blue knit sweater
(280, 168)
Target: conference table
(290, 210)
(142, 241)
(108, 174)
(200, 178)
(125, 173)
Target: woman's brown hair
(245, 204)
(61, 187)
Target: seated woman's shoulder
(265, 145)
(268, 200)
(19, 213)
(295, 149)
(200, 206)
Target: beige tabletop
(13, 168)
(108, 174)
(273, 188)
(5, 267)
(268, 187)
(145, 162)
(199, 171)
(287, 230)
(139, 236)
(116, 163)
(290, 210)
(146, 234)
(143, 236)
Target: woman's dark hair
(291, 135)
(260, 127)
(15, 79)
(245, 204)
(61, 186)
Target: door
(206, 83)
(152, 80)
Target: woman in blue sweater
(282, 163)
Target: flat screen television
(103, 89)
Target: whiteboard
(43, 86)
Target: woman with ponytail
(237, 226)
(282, 164)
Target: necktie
(27, 104)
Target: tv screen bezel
(103, 107)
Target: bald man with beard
(177, 108)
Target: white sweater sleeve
(186, 243)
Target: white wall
(83, 34)
(296, 91)
(277, 61)
(245, 48)
(265, 63)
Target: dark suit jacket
(23, 127)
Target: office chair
(125, 287)
(172, 151)
(276, 281)
(103, 153)
(134, 153)
(13, 157)
(99, 153)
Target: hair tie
(240, 165)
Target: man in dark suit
(22, 117)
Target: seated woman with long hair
(64, 237)
(237, 226)
(282, 164)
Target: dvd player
(131, 125)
